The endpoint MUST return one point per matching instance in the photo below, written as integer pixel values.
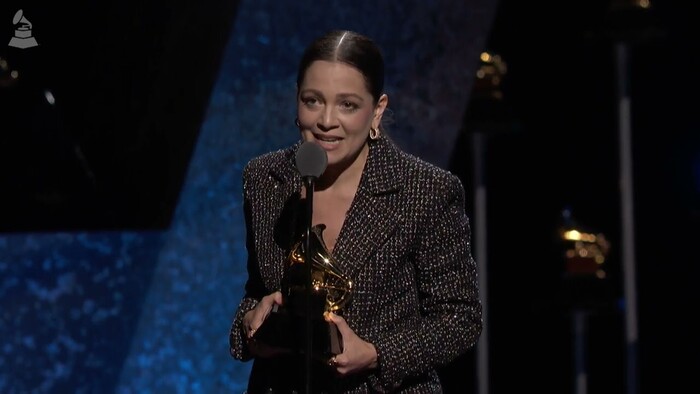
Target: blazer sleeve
(446, 278)
(254, 287)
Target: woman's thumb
(338, 321)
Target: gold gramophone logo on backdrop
(23, 32)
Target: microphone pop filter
(311, 160)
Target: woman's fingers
(254, 319)
(358, 354)
(266, 305)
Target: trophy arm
(326, 276)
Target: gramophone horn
(326, 277)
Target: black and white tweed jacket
(406, 244)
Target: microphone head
(311, 160)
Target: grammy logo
(23, 32)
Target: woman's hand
(357, 356)
(254, 319)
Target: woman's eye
(348, 105)
(309, 101)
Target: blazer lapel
(371, 218)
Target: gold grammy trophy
(330, 291)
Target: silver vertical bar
(480, 254)
(627, 216)
(580, 371)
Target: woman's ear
(379, 111)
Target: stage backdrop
(147, 312)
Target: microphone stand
(311, 161)
(309, 185)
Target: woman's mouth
(327, 141)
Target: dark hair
(350, 48)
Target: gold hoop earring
(373, 133)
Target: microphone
(311, 160)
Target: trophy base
(284, 330)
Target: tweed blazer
(405, 242)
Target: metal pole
(480, 254)
(309, 184)
(627, 216)
(579, 329)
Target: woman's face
(336, 110)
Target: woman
(393, 223)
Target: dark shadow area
(459, 376)
(100, 119)
(552, 144)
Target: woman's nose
(328, 120)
